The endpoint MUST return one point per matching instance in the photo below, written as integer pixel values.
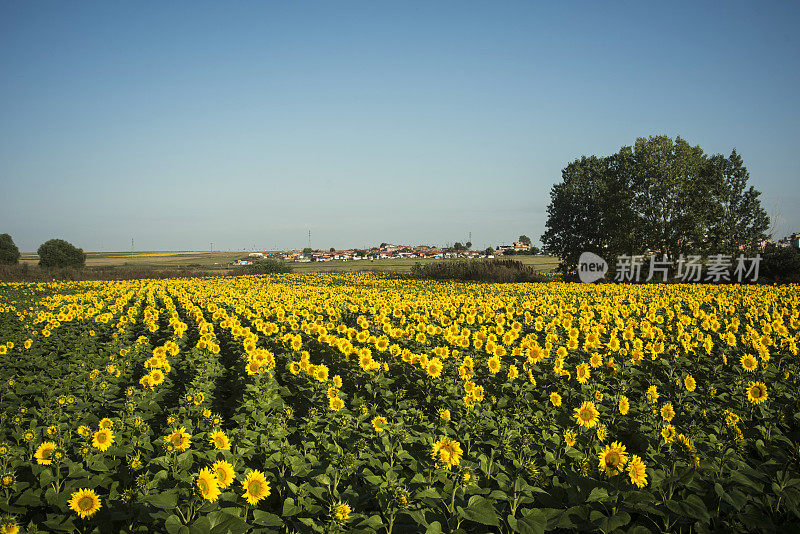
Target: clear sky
(247, 124)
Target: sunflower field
(376, 403)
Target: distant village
(387, 251)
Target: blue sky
(247, 124)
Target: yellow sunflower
(207, 485)
(341, 512)
(255, 486)
(667, 412)
(180, 439)
(224, 473)
(219, 440)
(103, 439)
(636, 472)
(623, 405)
(378, 423)
(447, 452)
(587, 415)
(582, 373)
(43, 453)
(757, 392)
(749, 362)
(555, 399)
(668, 433)
(85, 503)
(613, 458)
(434, 368)
(689, 383)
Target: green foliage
(659, 195)
(525, 240)
(9, 253)
(780, 264)
(60, 253)
(263, 267)
(478, 270)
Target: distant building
(794, 240)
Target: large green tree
(661, 195)
(60, 253)
(9, 253)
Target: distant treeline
(479, 270)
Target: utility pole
(131, 247)
(309, 239)
(212, 247)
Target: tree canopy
(661, 196)
(9, 253)
(60, 253)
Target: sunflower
(378, 423)
(668, 433)
(341, 512)
(494, 364)
(43, 453)
(667, 412)
(180, 439)
(294, 368)
(623, 405)
(255, 486)
(555, 399)
(613, 458)
(219, 440)
(105, 422)
(587, 415)
(444, 415)
(636, 471)
(596, 360)
(652, 394)
(582, 373)
(569, 438)
(335, 404)
(447, 452)
(689, 383)
(757, 392)
(749, 362)
(9, 525)
(434, 368)
(224, 473)
(103, 439)
(85, 503)
(207, 485)
(602, 432)
(513, 372)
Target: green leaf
(173, 524)
(597, 495)
(266, 519)
(481, 511)
(166, 500)
(201, 526)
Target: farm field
(219, 261)
(364, 402)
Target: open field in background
(219, 261)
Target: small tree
(332, 249)
(525, 240)
(307, 250)
(9, 253)
(458, 246)
(489, 251)
(468, 245)
(59, 253)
